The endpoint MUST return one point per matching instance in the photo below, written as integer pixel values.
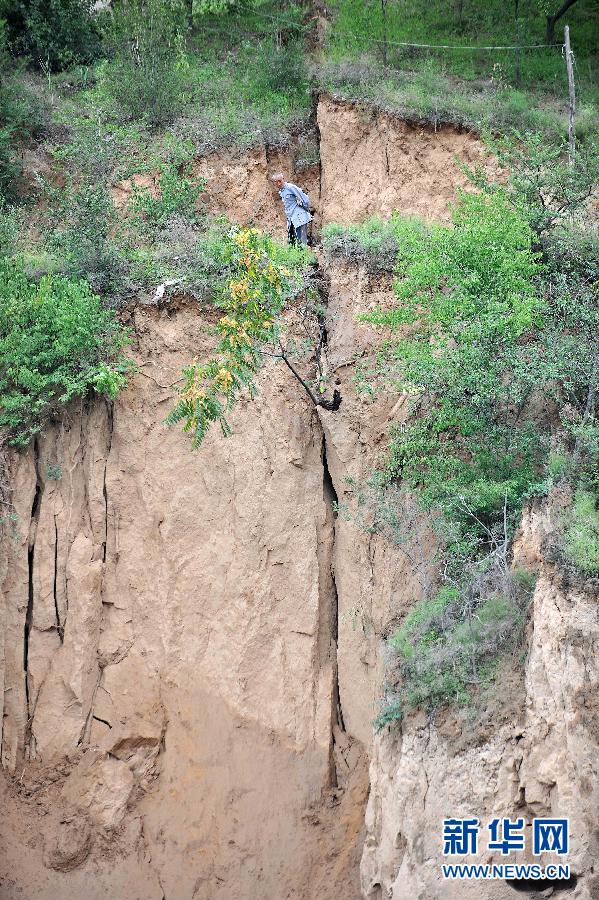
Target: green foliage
(231, 82)
(372, 243)
(245, 92)
(84, 236)
(56, 34)
(10, 168)
(177, 193)
(538, 75)
(251, 302)
(56, 343)
(282, 70)
(220, 7)
(581, 534)
(20, 118)
(467, 295)
(542, 181)
(449, 646)
(147, 73)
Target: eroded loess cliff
(191, 643)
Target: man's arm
(304, 200)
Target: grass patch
(475, 23)
(448, 648)
(373, 243)
(581, 533)
(435, 98)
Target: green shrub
(56, 34)
(20, 118)
(549, 190)
(581, 535)
(178, 191)
(148, 70)
(56, 343)
(281, 70)
(85, 236)
(467, 294)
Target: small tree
(146, 75)
(250, 330)
(554, 10)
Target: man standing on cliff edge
(297, 209)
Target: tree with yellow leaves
(251, 328)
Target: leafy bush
(177, 194)
(581, 535)
(147, 73)
(84, 237)
(251, 301)
(372, 243)
(56, 34)
(467, 294)
(218, 7)
(549, 189)
(56, 343)
(281, 70)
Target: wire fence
(367, 38)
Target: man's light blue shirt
(296, 204)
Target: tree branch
(551, 20)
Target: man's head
(278, 179)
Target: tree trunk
(551, 20)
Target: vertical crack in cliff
(110, 413)
(33, 522)
(315, 101)
(331, 499)
(59, 626)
